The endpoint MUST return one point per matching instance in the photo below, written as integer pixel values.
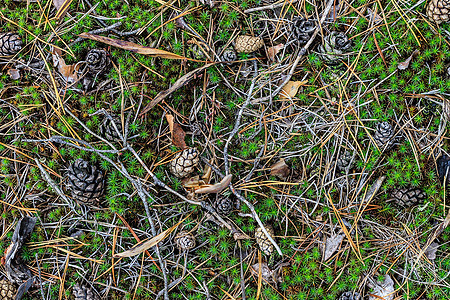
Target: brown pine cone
(439, 10)
(184, 240)
(184, 163)
(263, 242)
(10, 43)
(247, 43)
(7, 290)
(407, 197)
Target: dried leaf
(178, 84)
(383, 290)
(69, 72)
(405, 64)
(431, 250)
(272, 51)
(193, 182)
(14, 74)
(216, 188)
(280, 169)
(133, 47)
(177, 133)
(290, 89)
(332, 244)
(62, 6)
(237, 235)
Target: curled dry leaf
(216, 188)
(405, 64)
(431, 250)
(383, 290)
(69, 72)
(280, 169)
(272, 51)
(177, 133)
(290, 89)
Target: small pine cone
(198, 128)
(109, 132)
(7, 290)
(85, 181)
(184, 240)
(229, 55)
(350, 296)
(384, 136)
(334, 45)
(247, 43)
(439, 11)
(443, 168)
(303, 29)
(408, 197)
(223, 205)
(345, 161)
(263, 242)
(184, 163)
(10, 43)
(82, 292)
(98, 61)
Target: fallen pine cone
(439, 11)
(247, 43)
(10, 44)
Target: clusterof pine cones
(10, 44)
(223, 205)
(82, 292)
(247, 43)
(334, 45)
(350, 296)
(407, 197)
(384, 135)
(85, 181)
(184, 240)
(263, 242)
(7, 290)
(303, 29)
(184, 163)
(98, 61)
(439, 11)
(228, 55)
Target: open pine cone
(98, 61)
(10, 44)
(184, 162)
(223, 205)
(7, 290)
(334, 45)
(407, 197)
(229, 55)
(303, 29)
(384, 135)
(109, 132)
(247, 43)
(82, 292)
(350, 296)
(184, 240)
(439, 11)
(85, 181)
(263, 242)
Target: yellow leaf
(290, 89)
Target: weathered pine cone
(345, 161)
(334, 45)
(263, 242)
(223, 205)
(109, 132)
(184, 163)
(229, 55)
(198, 128)
(85, 181)
(439, 11)
(10, 44)
(82, 292)
(184, 240)
(408, 197)
(350, 296)
(303, 29)
(247, 43)
(384, 135)
(7, 290)
(98, 61)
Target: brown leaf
(280, 169)
(216, 188)
(178, 84)
(69, 72)
(177, 133)
(133, 47)
(290, 89)
(193, 182)
(272, 51)
(62, 6)
(14, 74)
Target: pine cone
(303, 29)
(109, 132)
(223, 205)
(7, 290)
(334, 45)
(345, 161)
(229, 55)
(263, 242)
(443, 165)
(98, 61)
(439, 10)
(408, 197)
(384, 135)
(350, 296)
(184, 163)
(85, 181)
(247, 43)
(82, 292)
(184, 240)
(198, 128)
(10, 43)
